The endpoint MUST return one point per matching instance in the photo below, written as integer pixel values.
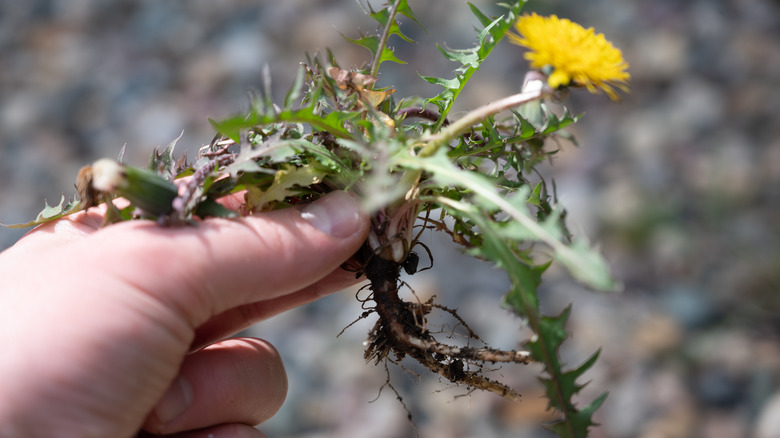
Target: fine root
(401, 331)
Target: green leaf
(50, 213)
(295, 90)
(586, 265)
(583, 263)
(527, 128)
(577, 424)
(232, 127)
(566, 383)
(147, 190)
(522, 298)
(383, 17)
(332, 122)
(561, 386)
(212, 208)
(164, 163)
(114, 214)
(514, 231)
(370, 42)
(484, 19)
(554, 123)
(389, 55)
(323, 155)
(377, 44)
(283, 184)
(446, 83)
(471, 59)
(536, 195)
(524, 277)
(550, 332)
(404, 9)
(571, 376)
(554, 329)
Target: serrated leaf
(284, 181)
(586, 265)
(383, 16)
(324, 156)
(578, 423)
(530, 117)
(553, 123)
(514, 231)
(576, 373)
(484, 49)
(496, 29)
(469, 58)
(50, 213)
(231, 127)
(163, 162)
(332, 122)
(295, 90)
(446, 83)
(567, 384)
(388, 54)
(536, 195)
(272, 150)
(212, 208)
(525, 278)
(377, 44)
(483, 19)
(369, 42)
(550, 335)
(404, 9)
(550, 332)
(246, 166)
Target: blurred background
(679, 184)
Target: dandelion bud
(144, 189)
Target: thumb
(219, 264)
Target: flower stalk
(473, 117)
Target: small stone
(768, 423)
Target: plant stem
(383, 41)
(470, 119)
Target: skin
(110, 330)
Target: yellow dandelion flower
(577, 56)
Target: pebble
(768, 422)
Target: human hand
(102, 328)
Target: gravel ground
(679, 184)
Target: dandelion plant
(417, 168)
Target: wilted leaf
(348, 79)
